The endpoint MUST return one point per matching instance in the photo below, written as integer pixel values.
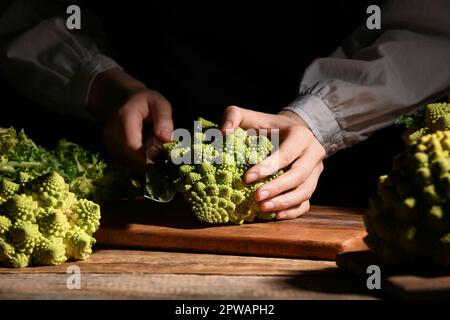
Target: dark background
(206, 55)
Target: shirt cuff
(321, 121)
(82, 82)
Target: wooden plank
(109, 261)
(321, 233)
(418, 287)
(129, 286)
(398, 283)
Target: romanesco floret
(8, 189)
(86, 215)
(212, 182)
(24, 177)
(49, 190)
(435, 117)
(22, 207)
(53, 223)
(45, 224)
(50, 252)
(10, 258)
(410, 213)
(5, 225)
(78, 243)
(24, 235)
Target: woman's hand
(300, 155)
(125, 104)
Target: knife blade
(157, 187)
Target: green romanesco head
(78, 243)
(46, 225)
(212, 182)
(411, 211)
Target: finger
(161, 113)
(295, 196)
(295, 212)
(133, 148)
(234, 117)
(299, 171)
(152, 148)
(132, 125)
(115, 142)
(290, 149)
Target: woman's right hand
(125, 104)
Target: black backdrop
(205, 55)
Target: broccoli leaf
(410, 120)
(87, 172)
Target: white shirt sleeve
(45, 60)
(363, 87)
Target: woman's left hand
(300, 155)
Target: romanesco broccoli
(213, 184)
(43, 223)
(409, 218)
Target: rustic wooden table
(136, 274)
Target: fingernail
(269, 205)
(165, 135)
(281, 216)
(263, 194)
(251, 178)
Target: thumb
(234, 117)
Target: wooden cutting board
(321, 233)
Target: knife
(157, 186)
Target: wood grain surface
(110, 261)
(169, 286)
(321, 233)
(401, 283)
(136, 274)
